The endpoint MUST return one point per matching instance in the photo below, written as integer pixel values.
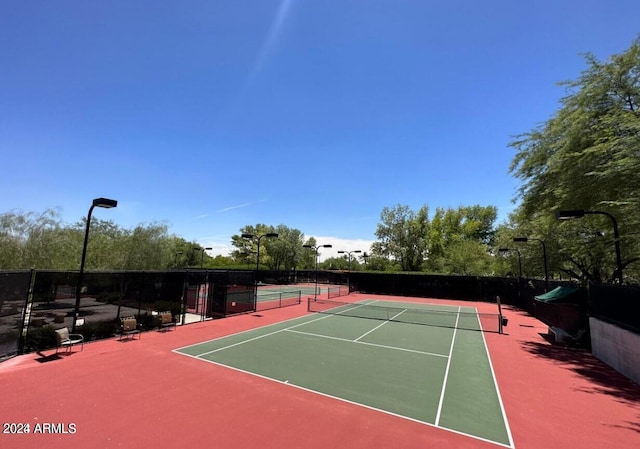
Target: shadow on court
(605, 379)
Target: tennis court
(382, 356)
(287, 378)
(274, 296)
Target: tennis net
(487, 322)
(265, 301)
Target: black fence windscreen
(619, 305)
(104, 298)
(33, 304)
(14, 294)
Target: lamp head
(105, 202)
(569, 214)
(521, 239)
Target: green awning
(559, 294)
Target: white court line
(347, 401)
(495, 383)
(378, 327)
(291, 329)
(446, 372)
(395, 348)
(178, 350)
(260, 336)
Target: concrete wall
(617, 347)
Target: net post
(500, 330)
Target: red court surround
(139, 394)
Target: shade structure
(561, 295)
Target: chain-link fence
(35, 303)
(95, 308)
(14, 295)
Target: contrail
(281, 15)
(260, 61)
(234, 207)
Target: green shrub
(98, 330)
(40, 338)
(147, 321)
(172, 306)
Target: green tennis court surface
(438, 374)
(267, 291)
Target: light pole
(316, 248)
(506, 250)
(269, 235)
(349, 254)
(580, 213)
(203, 290)
(197, 248)
(357, 251)
(98, 202)
(178, 253)
(544, 257)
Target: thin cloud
(340, 244)
(274, 31)
(234, 207)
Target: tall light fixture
(98, 202)
(203, 289)
(269, 235)
(349, 272)
(544, 257)
(197, 248)
(506, 250)
(316, 248)
(580, 213)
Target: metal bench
(166, 320)
(129, 328)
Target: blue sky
(211, 115)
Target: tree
(247, 249)
(308, 255)
(452, 229)
(380, 263)
(402, 235)
(32, 240)
(286, 251)
(587, 156)
(282, 253)
(335, 263)
(468, 258)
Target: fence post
(26, 313)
